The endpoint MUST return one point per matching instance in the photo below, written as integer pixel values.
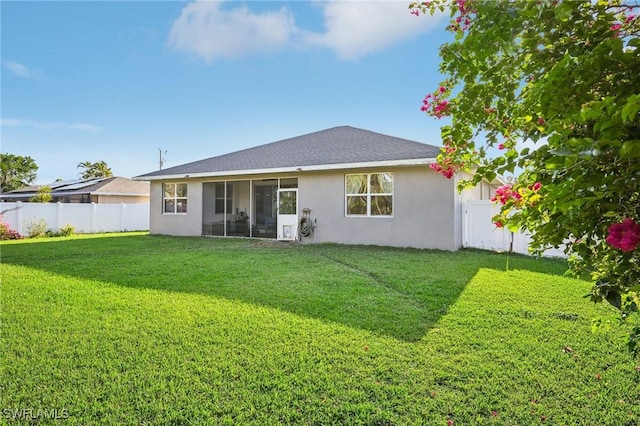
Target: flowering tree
(549, 91)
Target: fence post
(19, 217)
(93, 218)
(123, 206)
(59, 215)
(147, 213)
(465, 224)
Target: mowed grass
(140, 329)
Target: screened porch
(246, 208)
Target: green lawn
(133, 328)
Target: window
(174, 198)
(288, 202)
(220, 198)
(369, 194)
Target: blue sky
(117, 81)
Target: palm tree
(94, 170)
(43, 195)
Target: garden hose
(305, 228)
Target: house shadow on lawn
(394, 292)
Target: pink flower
(616, 27)
(624, 235)
(503, 194)
(629, 19)
(446, 172)
(536, 186)
(415, 12)
(541, 121)
(440, 110)
(498, 224)
(442, 89)
(501, 146)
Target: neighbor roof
(96, 186)
(338, 147)
(119, 186)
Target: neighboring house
(111, 190)
(354, 186)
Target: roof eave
(121, 194)
(68, 193)
(31, 195)
(294, 169)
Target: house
(342, 185)
(110, 190)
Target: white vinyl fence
(479, 231)
(85, 218)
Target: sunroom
(263, 208)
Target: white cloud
(16, 122)
(211, 32)
(352, 29)
(21, 70)
(357, 28)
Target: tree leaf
(630, 149)
(630, 110)
(563, 12)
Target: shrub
(36, 229)
(6, 233)
(65, 231)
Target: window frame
(175, 198)
(225, 198)
(368, 194)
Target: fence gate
(479, 231)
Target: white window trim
(225, 198)
(368, 195)
(175, 198)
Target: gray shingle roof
(338, 145)
(95, 186)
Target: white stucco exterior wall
(423, 212)
(176, 224)
(427, 213)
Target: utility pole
(161, 157)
